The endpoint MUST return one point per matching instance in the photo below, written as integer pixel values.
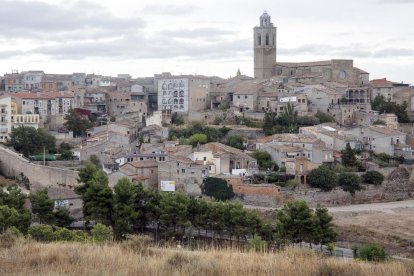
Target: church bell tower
(264, 48)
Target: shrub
(7, 239)
(41, 232)
(373, 177)
(323, 178)
(371, 252)
(15, 231)
(257, 244)
(350, 182)
(137, 243)
(101, 233)
(64, 234)
(217, 188)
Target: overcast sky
(212, 37)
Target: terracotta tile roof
(385, 130)
(32, 96)
(381, 83)
(143, 164)
(181, 159)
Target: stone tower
(264, 47)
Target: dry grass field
(32, 258)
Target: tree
(62, 217)
(101, 233)
(380, 104)
(41, 232)
(174, 211)
(324, 117)
(217, 188)
(42, 206)
(370, 252)
(125, 214)
(13, 198)
(28, 140)
(77, 123)
(373, 177)
(235, 141)
(98, 199)
(350, 182)
(322, 178)
(294, 221)
(348, 156)
(323, 232)
(269, 122)
(8, 217)
(85, 174)
(95, 160)
(177, 119)
(198, 138)
(264, 160)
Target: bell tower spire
(264, 37)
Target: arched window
(267, 39)
(259, 39)
(273, 40)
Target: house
(187, 174)
(10, 118)
(146, 170)
(286, 148)
(223, 159)
(381, 139)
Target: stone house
(147, 169)
(187, 174)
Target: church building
(315, 72)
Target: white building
(10, 119)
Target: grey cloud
(138, 47)
(173, 10)
(394, 52)
(196, 33)
(10, 54)
(28, 19)
(396, 1)
(351, 51)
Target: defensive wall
(13, 164)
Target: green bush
(41, 232)
(370, 252)
(217, 188)
(101, 233)
(350, 182)
(257, 244)
(373, 177)
(323, 178)
(64, 234)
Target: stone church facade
(266, 66)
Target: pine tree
(98, 199)
(323, 231)
(42, 206)
(348, 156)
(125, 214)
(294, 221)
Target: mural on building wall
(173, 94)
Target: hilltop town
(319, 131)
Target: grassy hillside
(32, 258)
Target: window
(245, 97)
(267, 39)
(152, 171)
(182, 170)
(238, 97)
(205, 158)
(259, 39)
